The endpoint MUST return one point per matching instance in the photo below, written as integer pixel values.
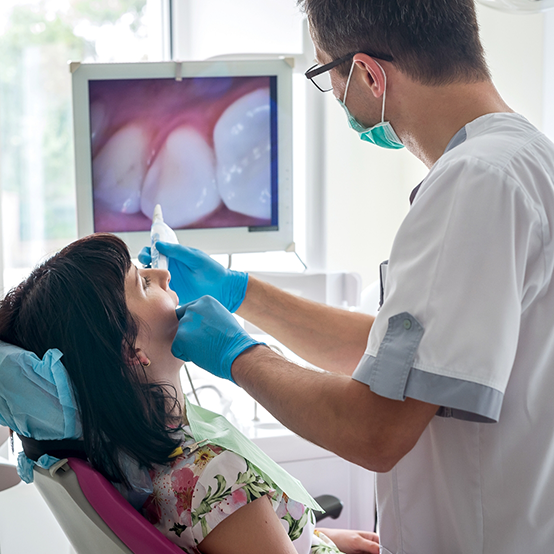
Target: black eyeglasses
(319, 74)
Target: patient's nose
(162, 276)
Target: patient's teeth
(98, 122)
(182, 179)
(119, 168)
(243, 153)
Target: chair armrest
(331, 504)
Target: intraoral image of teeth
(119, 168)
(243, 153)
(98, 122)
(182, 179)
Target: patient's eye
(147, 282)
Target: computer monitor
(211, 142)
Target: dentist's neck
(427, 117)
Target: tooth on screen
(182, 179)
(119, 168)
(98, 122)
(243, 154)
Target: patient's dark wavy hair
(75, 301)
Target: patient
(115, 324)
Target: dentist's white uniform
(467, 323)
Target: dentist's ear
(373, 75)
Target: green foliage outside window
(36, 135)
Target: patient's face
(150, 299)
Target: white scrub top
(467, 323)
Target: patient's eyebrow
(137, 283)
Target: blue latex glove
(209, 336)
(195, 274)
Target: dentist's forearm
(333, 411)
(329, 338)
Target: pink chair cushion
(132, 528)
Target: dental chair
(8, 473)
(96, 518)
(94, 515)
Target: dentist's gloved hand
(195, 274)
(209, 336)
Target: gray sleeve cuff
(391, 374)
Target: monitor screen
(208, 141)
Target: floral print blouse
(197, 490)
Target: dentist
(446, 394)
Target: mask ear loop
(384, 92)
(348, 81)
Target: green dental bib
(206, 425)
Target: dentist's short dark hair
(434, 42)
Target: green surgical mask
(381, 134)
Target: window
(37, 183)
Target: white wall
(368, 187)
(514, 45)
(220, 27)
(548, 74)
